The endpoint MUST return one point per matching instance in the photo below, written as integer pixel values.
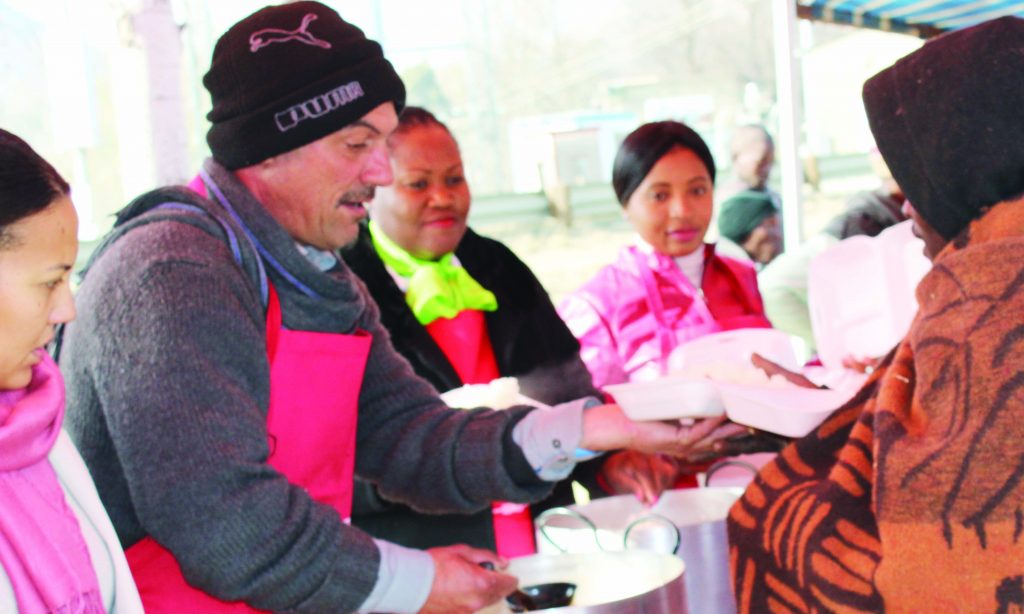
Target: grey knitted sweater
(167, 381)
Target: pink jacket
(635, 311)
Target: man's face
(318, 192)
(754, 163)
(765, 241)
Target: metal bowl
(606, 582)
(621, 522)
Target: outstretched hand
(607, 428)
(645, 476)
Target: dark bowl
(543, 596)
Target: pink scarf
(41, 546)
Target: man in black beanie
(228, 374)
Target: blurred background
(539, 94)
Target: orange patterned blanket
(909, 497)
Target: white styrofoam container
(860, 294)
(667, 398)
(734, 347)
(791, 411)
(499, 393)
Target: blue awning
(923, 18)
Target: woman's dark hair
(642, 149)
(415, 117)
(28, 184)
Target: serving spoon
(517, 598)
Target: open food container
(860, 293)
(725, 356)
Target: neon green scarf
(437, 289)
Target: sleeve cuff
(550, 438)
(403, 580)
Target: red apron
(466, 344)
(319, 374)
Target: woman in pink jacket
(670, 286)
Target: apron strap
(665, 336)
(273, 322)
(220, 198)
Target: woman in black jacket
(462, 309)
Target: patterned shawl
(910, 496)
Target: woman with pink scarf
(58, 550)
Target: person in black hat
(749, 228)
(229, 374)
(910, 494)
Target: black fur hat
(949, 121)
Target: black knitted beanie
(739, 215)
(289, 75)
(949, 121)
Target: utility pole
(160, 38)
(790, 101)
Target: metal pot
(631, 582)
(622, 522)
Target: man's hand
(461, 585)
(644, 475)
(607, 428)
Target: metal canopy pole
(789, 100)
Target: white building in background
(91, 100)
(834, 71)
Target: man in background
(750, 228)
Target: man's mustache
(364, 194)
